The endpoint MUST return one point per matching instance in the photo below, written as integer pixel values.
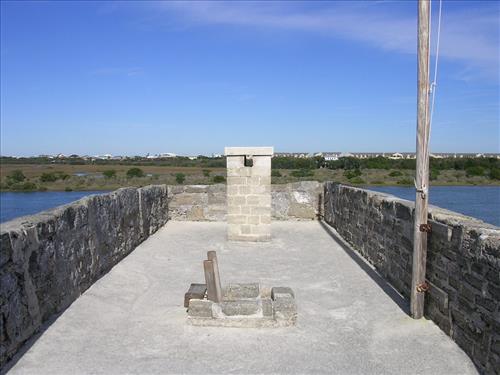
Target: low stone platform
(133, 320)
(246, 306)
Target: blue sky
(192, 77)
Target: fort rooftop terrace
(350, 320)
(97, 286)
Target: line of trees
(473, 166)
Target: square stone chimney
(249, 193)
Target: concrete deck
(349, 321)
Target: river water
(482, 202)
(13, 205)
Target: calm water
(13, 205)
(482, 202)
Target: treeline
(179, 161)
(437, 164)
(382, 163)
(472, 166)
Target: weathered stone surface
(241, 307)
(49, 259)
(281, 291)
(300, 200)
(239, 291)
(296, 201)
(247, 306)
(200, 308)
(463, 262)
(284, 308)
(249, 193)
(267, 308)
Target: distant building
(167, 155)
(435, 156)
(331, 156)
(301, 155)
(346, 155)
(396, 156)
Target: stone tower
(249, 193)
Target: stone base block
(234, 292)
(246, 306)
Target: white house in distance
(331, 156)
(396, 156)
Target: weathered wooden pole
(420, 230)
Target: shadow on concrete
(388, 289)
(29, 343)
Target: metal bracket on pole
(422, 288)
(427, 228)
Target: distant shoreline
(68, 176)
(112, 188)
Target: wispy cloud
(469, 37)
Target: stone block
(441, 230)
(267, 308)
(236, 200)
(265, 219)
(233, 189)
(253, 200)
(245, 210)
(253, 151)
(253, 219)
(260, 189)
(240, 307)
(237, 219)
(244, 190)
(285, 308)
(245, 229)
(231, 180)
(259, 210)
(241, 291)
(200, 308)
(235, 162)
(234, 210)
(281, 291)
(262, 162)
(260, 172)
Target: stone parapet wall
(197, 202)
(463, 263)
(48, 260)
(295, 201)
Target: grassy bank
(67, 177)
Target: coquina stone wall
(463, 263)
(295, 201)
(48, 260)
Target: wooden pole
(208, 267)
(212, 256)
(418, 286)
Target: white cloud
(470, 37)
